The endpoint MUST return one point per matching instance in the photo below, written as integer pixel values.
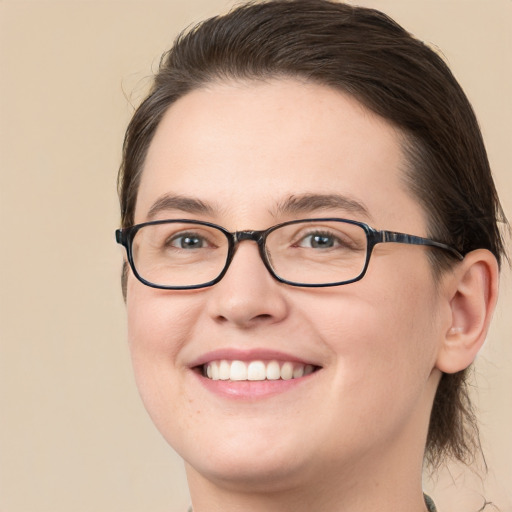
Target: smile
(257, 370)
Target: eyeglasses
(185, 254)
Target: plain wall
(74, 436)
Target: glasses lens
(318, 252)
(175, 254)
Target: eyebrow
(181, 203)
(294, 204)
(307, 203)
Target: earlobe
(473, 291)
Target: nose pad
(247, 294)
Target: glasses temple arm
(402, 238)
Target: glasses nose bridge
(241, 236)
(256, 236)
(248, 234)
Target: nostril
(264, 317)
(220, 319)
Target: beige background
(73, 434)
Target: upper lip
(235, 354)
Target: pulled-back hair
(367, 55)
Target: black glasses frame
(125, 237)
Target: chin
(250, 472)
(245, 457)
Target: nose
(247, 295)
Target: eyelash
(336, 240)
(181, 236)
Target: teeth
(214, 371)
(298, 372)
(238, 371)
(224, 370)
(273, 371)
(255, 370)
(287, 371)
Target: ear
(472, 291)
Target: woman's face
(243, 150)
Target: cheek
(383, 338)
(159, 321)
(158, 326)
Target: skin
(351, 436)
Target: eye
(187, 241)
(319, 240)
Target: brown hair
(367, 55)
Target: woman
(312, 258)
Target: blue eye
(187, 241)
(319, 241)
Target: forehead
(244, 148)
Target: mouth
(256, 370)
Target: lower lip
(250, 390)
